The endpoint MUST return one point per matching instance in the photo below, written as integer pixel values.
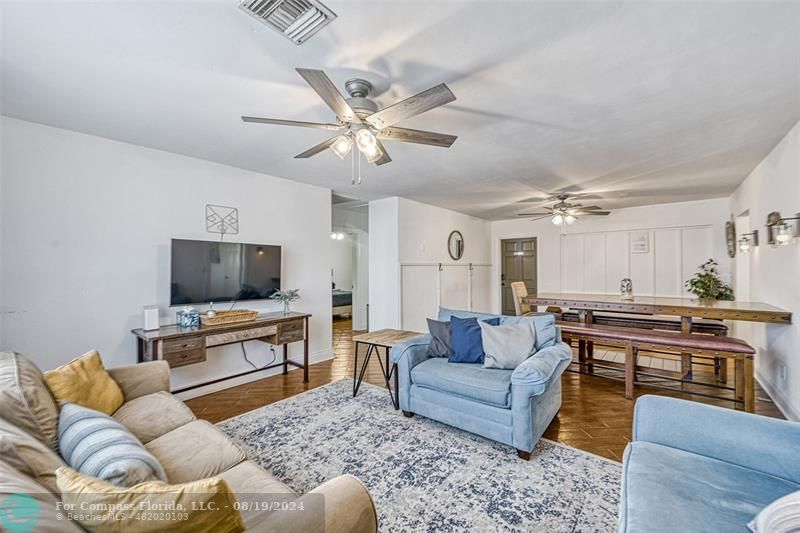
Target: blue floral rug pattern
(423, 475)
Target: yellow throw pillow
(204, 506)
(86, 382)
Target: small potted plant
(287, 297)
(707, 285)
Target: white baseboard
(778, 399)
(313, 359)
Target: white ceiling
(637, 102)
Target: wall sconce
(781, 231)
(747, 241)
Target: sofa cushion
(781, 515)
(465, 334)
(666, 489)
(29, 455)
(247, 480)
(196, 450)
(441, 343)
(490, 386)
(507, 346)
(95, 444)
(546, 332)
(203, 506)
(85, 381)
(25, 400)
(21, 490)
(137, 415)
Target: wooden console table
(186, 346)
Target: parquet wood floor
(595, 416)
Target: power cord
(244, 353)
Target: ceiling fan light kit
(564, 213)
(365, 123)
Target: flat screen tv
(213, 271)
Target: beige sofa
(188, 449)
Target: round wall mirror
(455, 245)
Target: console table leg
(305, 353)
(285, 359)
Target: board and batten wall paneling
(454, 287)
(419, 296)
(481, 288)
(658, 265)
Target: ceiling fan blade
(535, 214)
(417, 136)
(584, 213)
(317, 149)
(588, 208)
(280, 122)
(385, 157)
(541, 217)
(325, 88)
(412, 106)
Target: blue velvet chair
(697, 468)
(509, 406)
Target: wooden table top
(386, 337)
(660, 305)
(174, 330)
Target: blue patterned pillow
(95, 444)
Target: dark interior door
(518, 264)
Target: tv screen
(213, 271)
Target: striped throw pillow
(96, 445)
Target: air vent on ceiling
(297, 20)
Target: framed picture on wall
(640, 242)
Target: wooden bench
(666, 323)
(632, 340)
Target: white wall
(342, 261)
(86, 229)
(558, 271)
(355, 222)
(384, 264)
(774, 185)
(414, 239)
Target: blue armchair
(509, 406)
(697, 468)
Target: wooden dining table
(685, 308)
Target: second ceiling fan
(360, 122)
(564, 212)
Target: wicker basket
(228, 317)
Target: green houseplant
(286, 297)
(707, 285)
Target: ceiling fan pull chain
(352, 167)
(359, 168)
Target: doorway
(518, 263)
(349, 262)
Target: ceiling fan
(360, 121)
(566, 213)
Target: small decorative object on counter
(626, 289)
(151, 318)
(210, 313)
(188, 317)
(286, 297)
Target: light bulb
(373, 154)
(569, 219)
(333, 236)
(744, 245)
(366, 141)
(557, 220)
(339, 236)
(784, 235)
(342, 146)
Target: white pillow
(507, 346)
(781, 516)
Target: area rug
(423, 475)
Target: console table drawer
(219, 339)
(188, 357)
(291, 331)
(183, 344)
